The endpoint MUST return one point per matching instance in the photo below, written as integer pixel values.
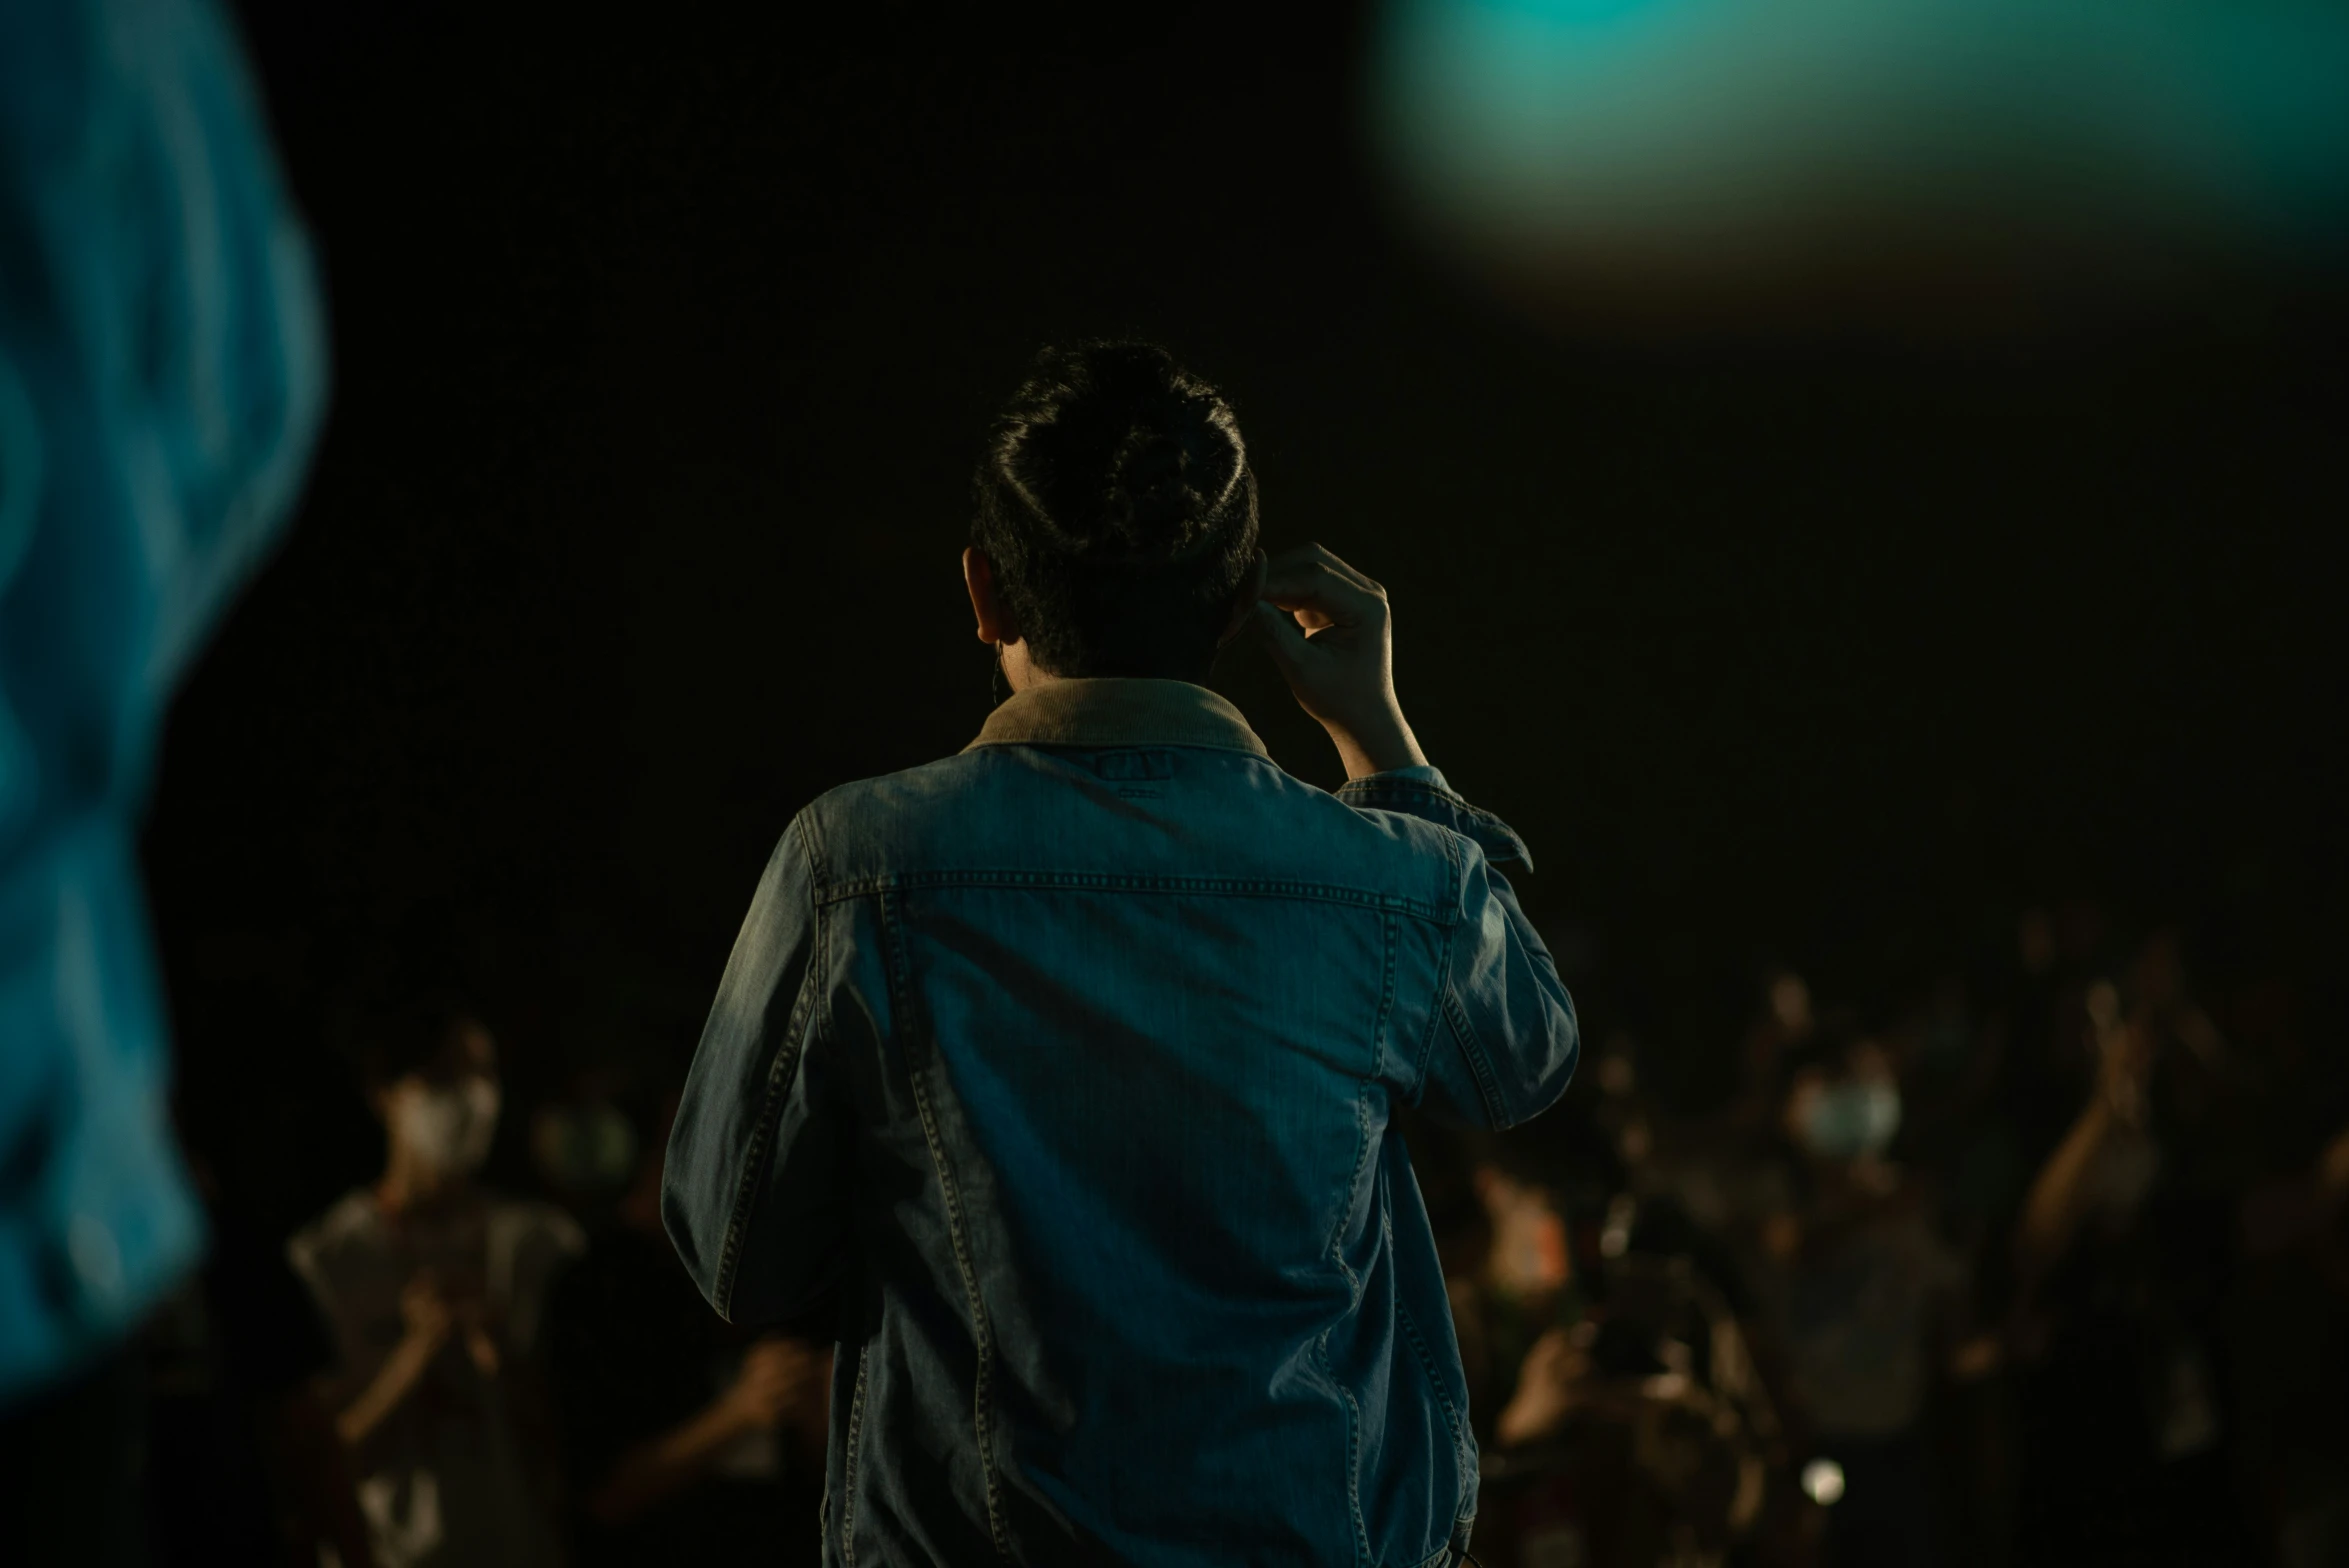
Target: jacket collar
(1117, 711)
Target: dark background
(664, 346)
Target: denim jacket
(1068, 1063)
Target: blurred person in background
(683, 1442)
(433, 1286)
(1528, 1298)
(1066, 1064)
(2123, 1250)
(1678, 1186)
(1785, 1025)
(1622, 1420)
(1719, 1171)
(585, 1145)
(1948, 1065)
(2046, 1064)
(242, 1463)
(1504, 1245)
(2286, 1322)
(1866, 1305)
(1635, 1429)
(162, 374)
(1954, 1058)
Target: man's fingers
(1323, 556)
(1360, 578)
(1317, 586)
(1280, 631)
(1313, 561)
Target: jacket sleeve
(755, 1192)
(1505, 1040)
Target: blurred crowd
(2042, 1263)
(437, 1370)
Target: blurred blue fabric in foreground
(162, 374)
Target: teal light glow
(1692, 120)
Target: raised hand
(775, 1376)
(1329, 631)
(424, 1312)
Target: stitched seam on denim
(848, 1468)
(1378, 1042)
(1119, 882)
(1337, 1235)
(1456, 1014)
(1337, 1230)
(1373, 789)
(1435, 1383)
(1353, 1451)
(1404, 789)
(780, 1072)
(957, 1228)
(1390, 962)
(1435, 811)
(1443, 974)
(1470, 1046)
(1435, 1011)
(1471, 822)
(811, 846)
(1487, 1086)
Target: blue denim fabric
(1070, 1066)
(162, 373)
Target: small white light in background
(1823, 1481)
(1622, 1213)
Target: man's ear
(996, 625)
(1244, 600)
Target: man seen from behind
(1065, 1065)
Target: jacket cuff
(1421, 792)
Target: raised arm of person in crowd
(779, 1378)
(2067, 1188)
(428, 1324)
(755, 1192)
(1508, 1040)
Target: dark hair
(1117, 508)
